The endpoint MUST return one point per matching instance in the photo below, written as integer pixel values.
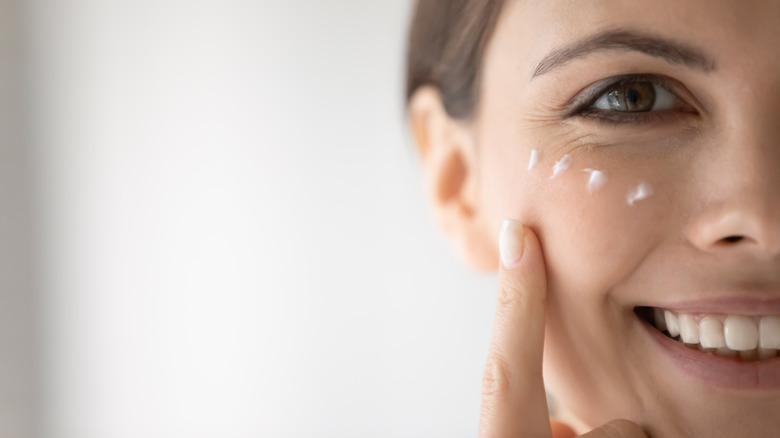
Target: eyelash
(583, 104)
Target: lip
(720, 371)
(725, 305)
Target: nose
(744, 224)
(741, 214)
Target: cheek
(597, 226)
(597, 221)
(598, 211)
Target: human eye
(632, 99)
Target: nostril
(732, 239)
(739, 228)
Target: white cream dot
(640, 192)
(596, 181)
(561, 165)
(535, 154)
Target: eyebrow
(673, 52)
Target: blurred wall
(233, 234)
(18, 395)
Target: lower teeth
(749, 355)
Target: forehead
(736, 33)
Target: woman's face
(676, 105)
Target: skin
(712, 160)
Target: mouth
(749, 337)
(736, 351)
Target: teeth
(741, 333)
(711, 333)
(689, 330)
(748, 337)
(672, 324)
(769, 332)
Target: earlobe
(447, 153)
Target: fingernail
(510, 243)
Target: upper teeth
(751, 336)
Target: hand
(514, 403)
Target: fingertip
(511, 242)
(514, 399)
(522, 271)
(562, 430)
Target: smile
(727, 350)
(749, 337)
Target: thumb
(617, 429)
(513, 397)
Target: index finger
(514, 403)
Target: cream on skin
(640, 192)
(596, 179)
(534, 160)
(706, 249)
(563, 164)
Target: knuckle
(496, 378)
(507, 295)
(514, 296)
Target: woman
(635, 145)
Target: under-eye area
(749, 337)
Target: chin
(694, 369)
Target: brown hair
(447, 42)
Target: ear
(448, 154)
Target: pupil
(633, 96)
(636, 96)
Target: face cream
(561, 165)
(642, 191)
(596, 181)
(534, 158)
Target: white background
(232, 232)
